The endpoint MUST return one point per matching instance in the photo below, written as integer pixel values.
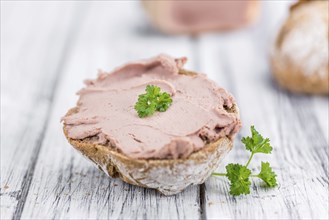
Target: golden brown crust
(295, 80)
(301, 2)
(290, 73)
(169, 176)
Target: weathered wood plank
(32, 43)
(43, 177)
(300, 155)
(65, 185)
(321, 106)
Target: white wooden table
(48, 48)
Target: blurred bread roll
(193, 16)
(300, 55)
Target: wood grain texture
(32, 49)
(300, 156)
(48, 48)
(64, 182)
(292, 122)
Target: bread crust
(295, 80)
(168, 176)
(289, 73)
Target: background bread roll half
(300, 55)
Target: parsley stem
(254, 175)
(251, 156)
(218, 174)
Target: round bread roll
(300, 54)
(96, 126)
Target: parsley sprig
(151, 101)
(239, 175)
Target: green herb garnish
(239, 175)
(151, 101)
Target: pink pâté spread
(198, 114)
(209, 14)
(196, 16)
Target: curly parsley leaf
(267, 175)
(256, 143)
(163, 102)
(239, 178)
(145, 106)
(239, 175)
(151, 101)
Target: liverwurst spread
(194, 16)
(202, 15)
(201, 112)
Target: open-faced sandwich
(153, 124)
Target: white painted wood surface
(48, 48)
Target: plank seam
(28, 176)
(202, 202)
